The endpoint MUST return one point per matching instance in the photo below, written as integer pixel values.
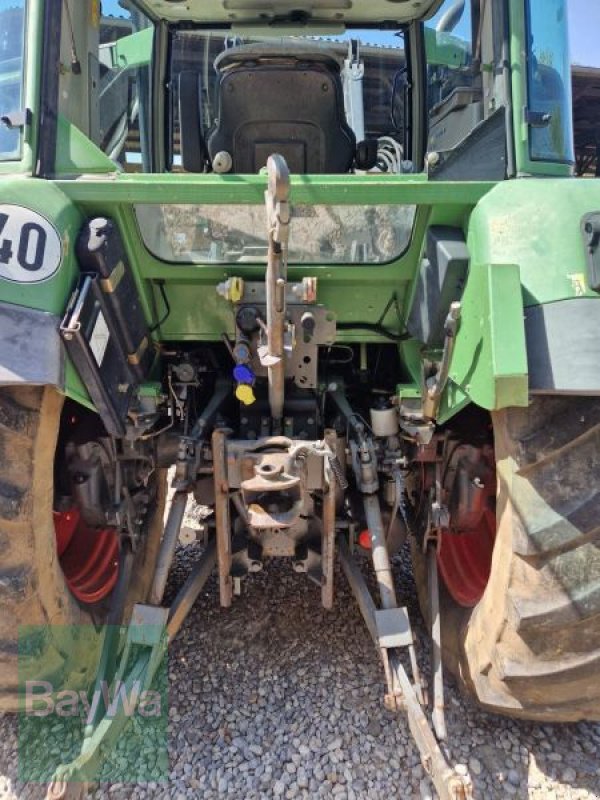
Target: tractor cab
(162, 87)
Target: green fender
(530, 322)
(31, 308)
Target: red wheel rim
(89, 557)
(465, 561)
(466, 548)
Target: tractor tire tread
(531, 647)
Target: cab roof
(240, 12)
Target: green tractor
(327, 263)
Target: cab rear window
(549, 82)
(319, 234)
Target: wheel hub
(466, 547)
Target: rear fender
(530, 319)
(38, 270)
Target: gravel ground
(277, 698)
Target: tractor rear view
(328, 265)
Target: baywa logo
(120, 699)
(104, 710)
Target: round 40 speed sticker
(30, 247)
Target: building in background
(586, 113)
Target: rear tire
(32, 586)
(531, 647)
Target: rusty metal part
(273, 497)
(308, 560)
(62, 790)
(365, 469)
(222, 516)
(462, 518)
(390, 631)
(439, 516)
(392, 699)
(470, 484)
(238, 504)
(434, 386)
(276, 199)
(188, 594)
(278, 218)
(276, 476)
(418, 680)
(318, 330)
(303, 292)
(167, 547)
(448, 784)
(280, 542)
(439, 720)
(297, 457)
(328, 532)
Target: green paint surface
(524, 239)
(523, 235)
(536, 224)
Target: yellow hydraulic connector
(232, 289)
(245, 394)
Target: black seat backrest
(194, 156)
(281, 99)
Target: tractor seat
(282, 99)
